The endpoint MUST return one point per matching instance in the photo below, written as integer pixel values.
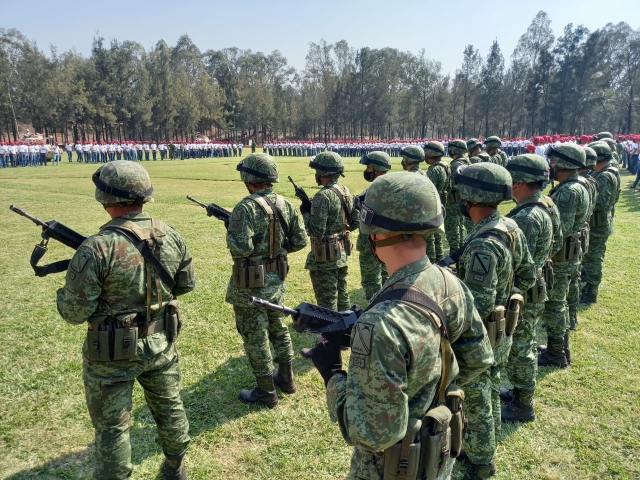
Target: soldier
(495, 259)
(123, 282)
(264, 228)
(571, 196)
(373, 273)
(601, 224)
(440, 175)
(453, 220)
(493, 145)
(412, 155)
(329, 221)
(474, 147)
(395, 365)
(539, 219)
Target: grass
(588, 416)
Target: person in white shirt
(43, 154)
(153, 148)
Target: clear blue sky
(442, 28)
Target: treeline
(579, 82)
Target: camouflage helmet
(611, 142)
(591, 157)
(473, 143)
(528, 168)
(327, 163)
(603, 135)
(378, 160)
(258, 167)
(434, 149)
(493, 142)
(457, 146)
(413, 153)
(122, 182)
(567, 156)
(484, 183)
(603, 151)
(402, 202)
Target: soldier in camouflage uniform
(494, 261)
(264, 228)
(373, 273)
(412, 156)
(329, 221)
(129, 305)
(539, 220)
(601, 222)
(571, 196)
(454, 221)
(440, 175)
(395, 362)
(497, 156)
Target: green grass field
(588, 416)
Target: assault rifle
(301, 194)
(308, 317)
(213, 210)
(57, 231)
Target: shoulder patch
(237, 220)
(362, 338)
(78, 267)
(482, 268)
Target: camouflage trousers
(501, 356)
(479, 438)
(454, 227)
(108, 388)
(330, 288)
(373, 273)
(434, 247)
(594, 260)
(556, 313)
(522, 365)
(258, 327)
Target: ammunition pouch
(455, 403)
(403, 459)
(327, 248)
(584, 238)
(600, 218)
(547, 273)
(570, 250)
(436, 442)
(453, 197)
(495, 326)
(173, 324)
(538, 293)
(248, 272)
(346, 241)
(513, 311)
(282, 266)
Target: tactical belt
(144, 329)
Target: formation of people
(427, 353)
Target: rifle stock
(213, 210)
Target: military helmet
(378, 160)
(493, 142)
(603, 151)
(528, 168)
(122, 181)
(473, 143)
(458, 146)
(591, 157)
(402, 202)
(484, 183)
(434, 149)
(603, 135)
(611, 142)
(567, 156)
(413, 152)
(258, 167)
(327, 163)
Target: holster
(248, 272)
(435, 437)
(571, 247)
(401, 461)
(495, 325)
(547, 273)
(455, 403)
(538, 293)
(513, 311)
(346, 240)
(173, 324)
(282, 266)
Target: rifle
(301, 194)
(308, 317)
(57, 231)
(213, 210)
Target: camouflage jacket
(325, 218)
(453, 168)
(605, 201)
(107, 276)
(440, 175)
(488, 267)
(573, 202)
(395, 364)
(592, 188)
(248, 235)
(417, 169)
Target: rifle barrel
(189, 197)
(259, 302)
(19, 211)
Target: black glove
(327, 359)
(305, 207)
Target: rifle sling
(44, 270)
(276, 210)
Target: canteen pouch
(239, 272)
(584, 240)
(436, 442)
(549, 277)
(348, 246)
(282, 266)
(256, 272)
(403, 458)
(319, 248)
(334, 248)
(455, 404)
(513, 311)
(495, 325)
(173, 324)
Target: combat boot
(506, 395)
(573, 321)
(588, 295)
(519, 409)
(264, 394)
(172, 468)
(554, 355)
(283, 377)
(479, 472)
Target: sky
(443, 29)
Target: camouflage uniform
(499, 157)
(454, 220)
(440, 175)
(108, 277)
(412, 154)
(375, 399)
